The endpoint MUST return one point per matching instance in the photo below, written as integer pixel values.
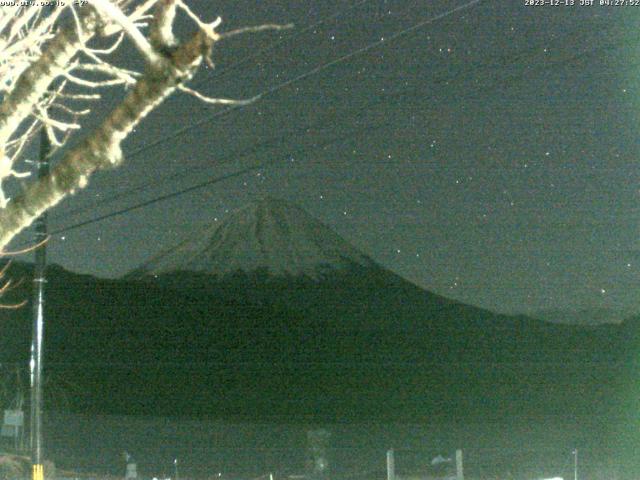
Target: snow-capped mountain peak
(268, 235)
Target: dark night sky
(489, 156)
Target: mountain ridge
(353, 340)
(583, 316)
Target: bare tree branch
(47, 65)
(36, 79)
(216, 101)
(115, 14)
(257, 28)
(102, 148)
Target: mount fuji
(271, 314)
(274, 252)
(268, 235)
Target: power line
(304, 75)
(222, 72)
(472, 68)
(198, 186)
(219, 179)
(215, 180)
(183, 191)
(278, 87)
(156, 199)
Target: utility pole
(459, 467)
(391, 465)
(37, 333)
